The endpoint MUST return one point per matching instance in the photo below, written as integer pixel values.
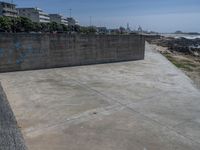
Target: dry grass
(186, 65)
(189, 64)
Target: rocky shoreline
(183, 53)
(182, 45)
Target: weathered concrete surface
(143, 105)
(10, 136)
(41, 51)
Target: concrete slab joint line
(128, 106)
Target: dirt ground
(187, 63)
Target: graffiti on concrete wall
(21, 55)
(42, 51)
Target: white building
(8, 9)
(35, 14)
(72, 21)
(58, 19)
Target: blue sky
(157, 15)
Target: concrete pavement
(142, 105)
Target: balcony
(44, 17)
(43, 14)
(10, 10)
(44, 21)
(9, 14)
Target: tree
(53, 26)
(122, 30)
(6, 23)
(84, 30)
(22, 24)
(60, 28)
(16, 25)
(44, 27)
(77, 28)
(65, 28)
(92, 30)
(27, 24)
(87, 30)
(37, 27)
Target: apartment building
(58, 19)
(8, 9)
(35, 14)
(72, 21)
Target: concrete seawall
(41, 51)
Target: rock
(182, 45)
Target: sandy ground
(139, 105)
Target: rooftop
(7, 3)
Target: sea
(187, 36)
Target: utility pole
(70, 12)
(90, 21)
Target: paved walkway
(140, 105)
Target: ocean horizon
(187, 36)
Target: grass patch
(181, 63)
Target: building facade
(35, 14)
(58, 19)
(72, 21)
(8, 9)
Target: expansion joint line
(133, 110)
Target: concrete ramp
(136, 105)
(10, 136)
